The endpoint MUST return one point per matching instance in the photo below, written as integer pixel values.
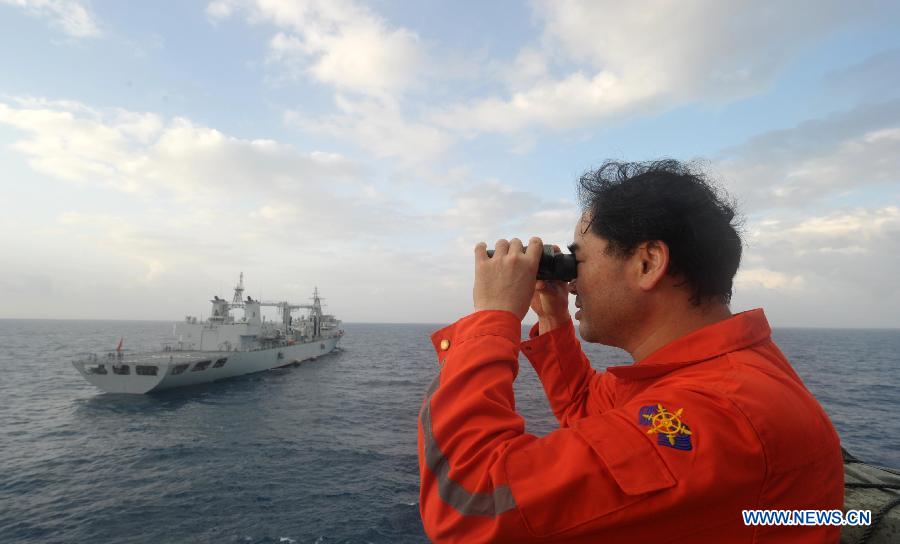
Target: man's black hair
(634, 202)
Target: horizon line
(436, 323)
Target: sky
(150, 152)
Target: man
(709, 420)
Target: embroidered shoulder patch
(668, 427)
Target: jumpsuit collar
(739, 331)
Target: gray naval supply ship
(219, 347)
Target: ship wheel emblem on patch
(668, 427)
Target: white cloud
(71, 16)
(369, 64)
(529, 67)
(380, 128)
(339, 43)
(573, 101)
(698, 49)
(833, 267)
(119, 236)
(171, 207)
(873, 157)
(816, 159)
(848, 227)
(145, 154)
(620, 58)
(873, 79)
(767, 279)
(489, 210)
(198, 191)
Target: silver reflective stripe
(467, 504)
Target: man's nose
(573, 289)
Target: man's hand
(506, 280)
(551, 304)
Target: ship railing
(283, 343)
(94, 363)
(87, 357)
(176, 347)
(102, 357)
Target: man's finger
(481, 252)
(501, 248)
(515, 246)
(535, 249)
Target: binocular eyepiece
(554, 266)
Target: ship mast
(239, 291)
(317, 302)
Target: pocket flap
(585, 473)
(632, 459)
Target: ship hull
(152, 372)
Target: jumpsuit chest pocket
(588, 475)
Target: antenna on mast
(239, 290)
(317, 301)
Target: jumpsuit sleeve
(483, 479)
(573, 388)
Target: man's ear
(652, 262)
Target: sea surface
(324, 452)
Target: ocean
(322, 453)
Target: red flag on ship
(119, 347)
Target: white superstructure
(220, 347)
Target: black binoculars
(554, 266)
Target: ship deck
(185, 356)
(156, 357)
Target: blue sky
(152, 151)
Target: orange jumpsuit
(669, 449)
